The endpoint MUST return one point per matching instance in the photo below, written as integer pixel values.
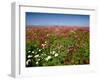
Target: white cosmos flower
(29, 51)
(49, 57)
(37, 62)
(39, 50)
(29, 56)
(56, 55)
(43, 45)
(32, 51)
(28, 61)
(36, 56)
(53, 52)
(45, 42)
(50, 52)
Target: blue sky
(56, 19)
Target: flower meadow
(57, 45)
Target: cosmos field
(57, 45)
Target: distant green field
(57, 46)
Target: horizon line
(58, 25)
